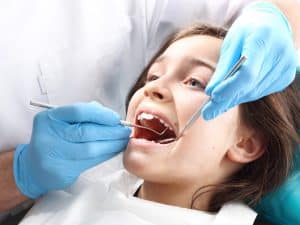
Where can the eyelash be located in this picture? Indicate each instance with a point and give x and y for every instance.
(151, 77)
(199, 84)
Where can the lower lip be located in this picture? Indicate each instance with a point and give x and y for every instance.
(137, 142)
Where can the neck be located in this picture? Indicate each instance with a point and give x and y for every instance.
(170, 194)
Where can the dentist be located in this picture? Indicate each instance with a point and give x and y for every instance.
(62, 53)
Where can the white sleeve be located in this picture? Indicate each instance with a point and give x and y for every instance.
(167, 16)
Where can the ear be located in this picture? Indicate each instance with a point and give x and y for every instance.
(247, 148)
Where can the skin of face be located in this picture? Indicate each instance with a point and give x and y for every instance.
(200, 157)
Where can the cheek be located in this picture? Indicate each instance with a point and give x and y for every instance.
(204, 144)
(219, 133)
(133, 161)
(187, 103)
(213, 138)
(151, 167)
(134, 102)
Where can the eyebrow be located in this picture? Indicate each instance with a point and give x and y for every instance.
(193, 61)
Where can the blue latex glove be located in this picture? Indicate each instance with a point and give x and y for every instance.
(263, 35)
(282, 207)
(65, 142)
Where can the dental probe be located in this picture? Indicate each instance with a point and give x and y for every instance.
(123, 122)
(197, 114)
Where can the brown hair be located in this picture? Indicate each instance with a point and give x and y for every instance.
(275, 117)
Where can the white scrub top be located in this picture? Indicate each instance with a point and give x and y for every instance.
(108, 199)
(64, 51)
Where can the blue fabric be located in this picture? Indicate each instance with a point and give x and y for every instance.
(282, 207)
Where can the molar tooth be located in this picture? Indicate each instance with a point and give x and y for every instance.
(161, 121)
(165, 124)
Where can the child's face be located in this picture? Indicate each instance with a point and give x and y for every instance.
(173, 92)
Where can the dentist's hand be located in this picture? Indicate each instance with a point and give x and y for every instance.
(65, 142)
(263, 35)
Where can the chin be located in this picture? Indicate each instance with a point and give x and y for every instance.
(136, 163)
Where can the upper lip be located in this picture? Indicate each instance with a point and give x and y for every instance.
(158, 114)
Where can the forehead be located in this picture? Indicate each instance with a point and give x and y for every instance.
(200, 46)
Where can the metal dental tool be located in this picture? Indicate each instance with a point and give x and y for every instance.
(197, 114)
(189, 123)
(123, 122)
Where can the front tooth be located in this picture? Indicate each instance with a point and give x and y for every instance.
(146, 116)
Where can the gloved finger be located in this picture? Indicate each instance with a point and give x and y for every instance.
(230, 54)
(92, 112)
(271, 90)
(244, 80)
(92, 150)
(73, 168)
(286, 68)
(229, 93)
(280, 76)
(87, 132)
(83, 165)
(213, 109)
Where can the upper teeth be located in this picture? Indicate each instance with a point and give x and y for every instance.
(148, 116)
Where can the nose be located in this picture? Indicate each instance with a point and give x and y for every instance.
(157, 91)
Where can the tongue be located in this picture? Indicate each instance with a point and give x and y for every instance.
(147, 134)
(154, 124)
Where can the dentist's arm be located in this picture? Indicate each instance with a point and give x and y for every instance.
(65, 142)
(267, 33)
(10, 196)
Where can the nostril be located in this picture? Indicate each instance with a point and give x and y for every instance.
(158, 95)
(155, 93)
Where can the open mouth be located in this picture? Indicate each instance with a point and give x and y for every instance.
(156, 123)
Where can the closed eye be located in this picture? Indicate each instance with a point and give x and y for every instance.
(193, 82)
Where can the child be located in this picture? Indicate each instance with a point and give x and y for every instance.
(208, 175)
